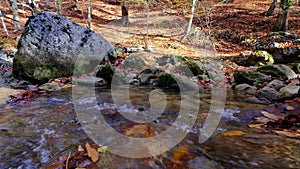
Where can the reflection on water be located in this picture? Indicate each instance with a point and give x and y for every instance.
(34, 133)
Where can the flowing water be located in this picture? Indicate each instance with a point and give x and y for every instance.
(34, 133)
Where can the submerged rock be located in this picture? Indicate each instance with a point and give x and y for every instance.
(50, 46)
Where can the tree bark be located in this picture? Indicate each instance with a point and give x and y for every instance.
(191, 17)
(59, 7)
(14, 6)
(272, 8)
(282, 18)
(3, 24)
(125, 15)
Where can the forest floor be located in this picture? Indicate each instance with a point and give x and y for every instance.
(232, 25)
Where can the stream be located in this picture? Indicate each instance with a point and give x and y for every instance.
(35, 132)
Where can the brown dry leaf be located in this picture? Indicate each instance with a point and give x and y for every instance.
(288, 133)
(93, 153)
(271, 116)
(256, 126)
(262, 119)
(289, 107)
(182, 152)
(233, 133)
(142, 130)
(297, 100)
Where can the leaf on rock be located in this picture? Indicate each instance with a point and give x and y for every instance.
(233, 133)
(92, 153)
(262, 119)
(102, 149)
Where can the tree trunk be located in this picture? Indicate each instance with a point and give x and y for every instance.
(59, 7)
(14, 5)
(77, 4)
(3, 24)
(282, 18)
(282, 21)
(125, 15)
(271, 9)
(191, 17)
(89, 10)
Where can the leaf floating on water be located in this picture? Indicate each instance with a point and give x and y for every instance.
(288, 133)
(180, 154)
(262, 119)
(256, 126)
(102, 149)
(271, 116)
(234, 133)
(92, 153)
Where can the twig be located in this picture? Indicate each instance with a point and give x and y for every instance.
(67, 162)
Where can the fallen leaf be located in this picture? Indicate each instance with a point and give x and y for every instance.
(102, 149)
(93, 153)
(80, 148)
(142, 130)
(181, 153)
(271, 116)
(288, 133)
(233, 133)
(256, 125)
(262, 119)
(289, 107)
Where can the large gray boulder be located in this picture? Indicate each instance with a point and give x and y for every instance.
(50, 46)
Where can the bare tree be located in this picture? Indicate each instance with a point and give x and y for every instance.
(282, 18)
(89, 11)
(125, 15)
(3, 24)
(14, 6)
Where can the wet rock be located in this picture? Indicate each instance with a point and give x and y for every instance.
(250, 77)
(276, 84)
(284, 47)
(5, 93)
(110, 74)
(171, 81)
(288, 92)
(295, 67)
(52, 86)
(279, 71)
(260, 58)
(267, 92)
(149, 76)
(191, 68)
(91, 80)
(134, 62)
(51, 44)
(246, 88)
